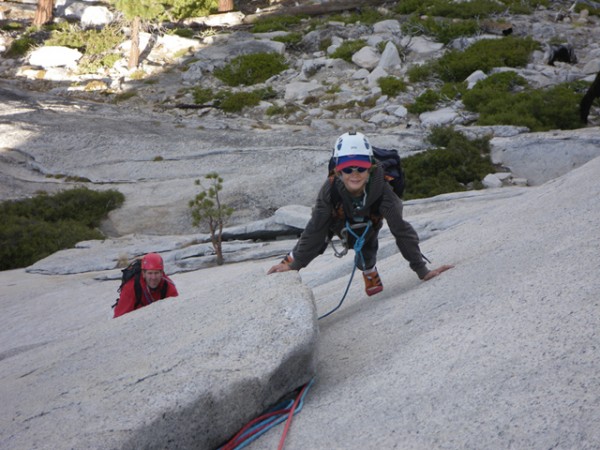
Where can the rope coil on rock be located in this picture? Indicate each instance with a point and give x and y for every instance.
(273, 416)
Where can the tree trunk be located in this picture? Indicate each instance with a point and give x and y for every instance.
(134, 53)
(219, 253)
(225, 5)
(43, 13)
(219, 244)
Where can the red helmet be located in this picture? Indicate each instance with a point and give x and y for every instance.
(152, 261)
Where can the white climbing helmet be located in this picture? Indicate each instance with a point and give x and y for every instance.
(352, 149)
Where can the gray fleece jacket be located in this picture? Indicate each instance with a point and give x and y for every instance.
(323, 223)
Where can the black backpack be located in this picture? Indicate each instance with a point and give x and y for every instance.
(134, 270)
(389, 160)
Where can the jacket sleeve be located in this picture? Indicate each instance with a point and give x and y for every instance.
(313, 240)
(126, 301)
(406, 237)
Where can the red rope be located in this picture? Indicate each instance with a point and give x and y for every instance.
(233, 442)
(238, 439)
(290, 416)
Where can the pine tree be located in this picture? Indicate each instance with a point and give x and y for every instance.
(208, 208)
(137, 11)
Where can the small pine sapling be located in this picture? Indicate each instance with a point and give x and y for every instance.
(207, 208)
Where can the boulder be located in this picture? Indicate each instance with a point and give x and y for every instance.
(170, 375)
(55, 56)
(540, 157)
(96, 16)
(366, 58)
(390, 58)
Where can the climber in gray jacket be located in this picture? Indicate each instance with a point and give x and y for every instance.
(352, 204)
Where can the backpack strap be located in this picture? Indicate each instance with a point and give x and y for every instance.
(137, 287)
(374, 213)
(163, 290)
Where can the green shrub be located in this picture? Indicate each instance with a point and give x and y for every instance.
(391, 86)
(68, 35)
(539, 110)
(233, 102)
(91, 64)
(12, 26)
(97, 46)
(285, 111)
(25, 241)
(34, 228)
(251, 69)
(443, 8)
(324, 44)
(456, 66)
(237, 101)
(483, 55)
(202, 95)
(266, 93)
(442, 30)
(505, 99)
(381, 46)
(456, 164)
(364, 15)
(19, 47)
(89, 42)
(182, 9)
(524, 7)
(184, 32)
(497, 84)
(594, 11)
(291, 40)
(347, 49)
(276, 23)
(427, 101)
(421, 72)
(275, 110)
(465, 10)
(479, 8)
(80, 204)
(452, 90)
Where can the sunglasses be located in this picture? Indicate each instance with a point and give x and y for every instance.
(349, 170)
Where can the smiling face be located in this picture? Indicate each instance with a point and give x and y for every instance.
(355, 182)
(152, 278)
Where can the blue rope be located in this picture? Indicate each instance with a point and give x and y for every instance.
(358, 245)
(274, 420)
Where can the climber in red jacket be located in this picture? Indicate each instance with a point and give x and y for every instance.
(147, 286)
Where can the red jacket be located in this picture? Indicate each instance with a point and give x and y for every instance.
(126, 301)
